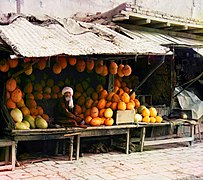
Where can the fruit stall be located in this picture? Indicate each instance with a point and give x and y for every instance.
(105, 83)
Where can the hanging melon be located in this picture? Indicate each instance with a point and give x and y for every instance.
(120, 70)
(72, 60)
(10, 104)
(80, 65)
(11, 84)
(127, 70)
(57, 68)
(13, 63)
(113, 67)
(62, 61)
(90, 65)
(41, 65)
(16, 95)
(99, 67)
(4, 65)
(105, 71)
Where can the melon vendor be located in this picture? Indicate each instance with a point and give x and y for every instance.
(64, 110)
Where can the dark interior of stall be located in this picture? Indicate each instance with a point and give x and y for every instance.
(188, 65)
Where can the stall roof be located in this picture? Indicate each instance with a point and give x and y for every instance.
(67, 36)
(164, 39)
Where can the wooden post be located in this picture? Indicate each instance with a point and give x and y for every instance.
(6, 154)
(13, 156)
(127, 141)
(142, 137)
(191, 134)
(78, 147)
(57, 148)
(71, 148)
(199, 130)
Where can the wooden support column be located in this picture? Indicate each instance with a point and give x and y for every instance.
(142, 137)
(78, 147)
(127, 141)
(192, 130)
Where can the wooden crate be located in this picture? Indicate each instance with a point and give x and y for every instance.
(125, 116)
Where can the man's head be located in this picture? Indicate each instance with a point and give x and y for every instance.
(67, 93)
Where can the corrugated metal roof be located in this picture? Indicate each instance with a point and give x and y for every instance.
(72, 38)
(164, 39)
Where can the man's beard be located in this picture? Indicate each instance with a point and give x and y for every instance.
(67, 98)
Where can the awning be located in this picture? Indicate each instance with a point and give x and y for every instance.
(70, 37)
(164, 39)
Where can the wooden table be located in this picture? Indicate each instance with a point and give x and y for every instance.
(176, 139)
(93, 131)
(42, 134)
(8, 143)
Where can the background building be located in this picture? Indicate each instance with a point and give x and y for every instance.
(67, 8)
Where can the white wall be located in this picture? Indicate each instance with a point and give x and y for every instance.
(66, 8)
(61, 8)
(184, 8)
(7, 6)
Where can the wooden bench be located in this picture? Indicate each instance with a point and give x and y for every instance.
(93, 131)
(43, 134)
(169, 139)
(7, 144)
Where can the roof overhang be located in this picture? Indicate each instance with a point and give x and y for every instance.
(162, 38)
(139, 16)
(67, 36)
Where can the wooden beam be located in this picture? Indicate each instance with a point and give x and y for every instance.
(159, 19)
(196, 31)
(143, 22)
(161, 25)
(179, 28)
(172, 33)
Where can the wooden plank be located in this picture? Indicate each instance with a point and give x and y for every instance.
(6, 142)
(39, 130)
(38, 137)
(71, 134)
(103, 132)
(6, 167)
(120, 126)
(156, 138)
(168, 141)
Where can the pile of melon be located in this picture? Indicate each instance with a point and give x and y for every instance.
(94, 105)
(147, 115)
(5, 64)
(27, 122)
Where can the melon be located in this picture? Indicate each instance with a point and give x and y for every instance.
(140, 109)
(16, 115)
(138, 118)
(31, 120)
(41, 123)
(26, 123)
(21, 126)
